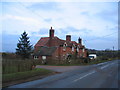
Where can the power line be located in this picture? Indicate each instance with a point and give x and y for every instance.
(100, 37)
(43, 19)
(30, 10)
(34, 12)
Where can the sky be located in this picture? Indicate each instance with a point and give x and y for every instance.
(95, 22)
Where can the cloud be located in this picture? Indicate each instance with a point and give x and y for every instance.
(48, 20)
(45, 6)
(87, 20)
(77, 15)
(16, 24)
(23, 19)
(109, 15)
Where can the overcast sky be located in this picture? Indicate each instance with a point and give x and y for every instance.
(95, 22)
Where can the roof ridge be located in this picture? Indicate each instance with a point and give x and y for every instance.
(44, 37)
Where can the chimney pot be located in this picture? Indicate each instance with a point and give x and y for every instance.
(51, 33)
(68, 37)
(80, 40)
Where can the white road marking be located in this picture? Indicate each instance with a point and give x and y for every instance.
(106, 65)
(93, 71)
(84, 76)
(112, 63)
(101, 63)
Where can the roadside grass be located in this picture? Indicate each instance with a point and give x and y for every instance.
(24, 75)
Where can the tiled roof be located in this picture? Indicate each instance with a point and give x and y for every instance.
(46, 51)
(43, 41)
(74, 42)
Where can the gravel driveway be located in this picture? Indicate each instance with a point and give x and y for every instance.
(59, 68)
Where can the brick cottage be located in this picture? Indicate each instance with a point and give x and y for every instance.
(54, 48)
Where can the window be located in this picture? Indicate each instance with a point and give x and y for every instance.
(72, 48)
(83, 50)
(77, 49)
(44, 60)
(35, 57)
(43, 57)
(64, 46)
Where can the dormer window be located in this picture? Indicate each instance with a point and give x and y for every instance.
(64, 46)
(74, 45)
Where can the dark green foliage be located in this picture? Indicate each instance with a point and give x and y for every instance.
(7, 55)
(24, 49)
(85, 60)
(118, 54)
(105, 54)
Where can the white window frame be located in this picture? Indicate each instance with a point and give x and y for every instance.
(77, 49)
(83, 50)
(35, 57)
(43, 57)
(64, 46)
(72, 48)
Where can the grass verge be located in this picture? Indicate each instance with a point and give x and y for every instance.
(8, 78)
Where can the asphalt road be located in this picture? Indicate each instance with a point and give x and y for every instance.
(103, 75)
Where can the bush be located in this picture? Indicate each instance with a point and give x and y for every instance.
(102, 58)
(8, 55)
(85, 60)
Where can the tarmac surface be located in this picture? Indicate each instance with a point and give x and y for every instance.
(103, 75)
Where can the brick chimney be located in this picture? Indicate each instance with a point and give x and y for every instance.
(80, 40)
(51, 33)
(68, 37)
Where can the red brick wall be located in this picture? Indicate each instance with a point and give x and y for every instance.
(63, 54)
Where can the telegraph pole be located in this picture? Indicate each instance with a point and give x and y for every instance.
(113, 52)
(113, 48)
